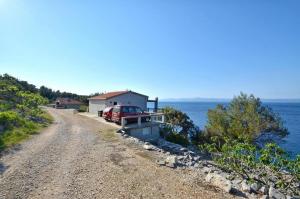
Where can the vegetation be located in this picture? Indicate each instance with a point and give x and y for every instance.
(179, 126)
(52, 95)
(20, 114)
(245, 117)
(229, 137)
(267, 165)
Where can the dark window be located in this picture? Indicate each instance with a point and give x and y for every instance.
(138, 110)
(125, 109)
(115, 103)
(132, 109)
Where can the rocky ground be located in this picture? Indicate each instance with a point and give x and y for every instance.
(175, 156)
(78, 157)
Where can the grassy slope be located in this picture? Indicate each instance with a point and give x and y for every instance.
(15, 135)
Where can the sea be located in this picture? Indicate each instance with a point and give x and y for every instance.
(289, 112)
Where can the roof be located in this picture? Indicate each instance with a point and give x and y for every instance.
(68, 101)
(113, 94)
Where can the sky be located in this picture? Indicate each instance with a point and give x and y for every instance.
(164, 48)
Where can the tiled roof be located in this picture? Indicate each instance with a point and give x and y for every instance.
(112, 94)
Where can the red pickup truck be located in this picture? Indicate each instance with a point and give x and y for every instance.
(120, 111)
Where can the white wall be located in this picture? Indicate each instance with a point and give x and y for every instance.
(124, 99)
(96, 105)
(129, 99)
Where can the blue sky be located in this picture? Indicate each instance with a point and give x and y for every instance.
(164, 48)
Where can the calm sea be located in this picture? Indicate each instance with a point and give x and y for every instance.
(290, 113)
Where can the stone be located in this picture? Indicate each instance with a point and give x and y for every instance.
(275, 194)
(263, 190)
(171, 161)
(183, 149)
(219, 181)
(206, 169)
(245, 187)
(148, 147)
(254, 187)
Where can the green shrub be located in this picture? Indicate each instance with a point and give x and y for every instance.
(82, 108)
(177, 138)
(245, 117)
(256, 164)
(179, 122)
(9, 119)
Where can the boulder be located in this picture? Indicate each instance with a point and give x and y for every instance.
(254, 187)
(245, 187)
(219, 181)
(275, 194)
(263, 190)
(148, 147)
(171, 161)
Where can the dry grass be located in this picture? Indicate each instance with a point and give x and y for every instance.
(109, 135)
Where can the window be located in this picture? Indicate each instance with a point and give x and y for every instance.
(116, 110)
(139, 110)
(115, 103)
(131, 109)
(126, 109)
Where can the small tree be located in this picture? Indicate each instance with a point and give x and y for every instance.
(245, 117)
(179, 122)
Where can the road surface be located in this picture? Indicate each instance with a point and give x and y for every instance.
(78, 157)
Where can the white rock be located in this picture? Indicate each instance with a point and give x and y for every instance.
(219, 181)
(275, 194)
(171, 161)
(245, 186)
(147, 147)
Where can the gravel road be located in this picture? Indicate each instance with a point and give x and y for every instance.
(78, 157)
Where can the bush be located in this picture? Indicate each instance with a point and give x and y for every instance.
(179, 122)
(177, 138)
(82, 108)
(245, 117)
(9, 119)
(255, 164)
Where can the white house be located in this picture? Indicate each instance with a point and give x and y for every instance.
(100, 102)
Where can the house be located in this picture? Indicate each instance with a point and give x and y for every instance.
(67, 103)
(100, 102)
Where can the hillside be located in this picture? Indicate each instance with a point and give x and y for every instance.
(20, 114)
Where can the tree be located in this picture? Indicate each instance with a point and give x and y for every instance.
(179, 122)
(245, 117)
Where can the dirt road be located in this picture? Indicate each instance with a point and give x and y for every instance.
(78, 157)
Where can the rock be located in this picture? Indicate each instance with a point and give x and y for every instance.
(219, 181)
(183, 149)
(148, 147)
(254, 187)
(245, 187)
(275, 194)
(263, 190)
(206, 169)
(171, 161)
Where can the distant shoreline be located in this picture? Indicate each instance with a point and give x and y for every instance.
(228, 100)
